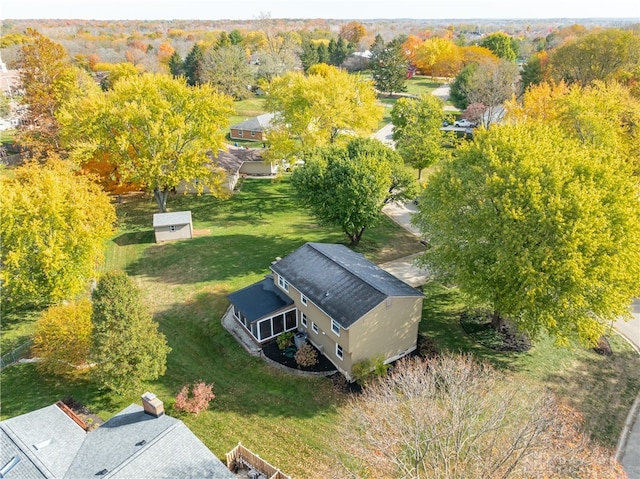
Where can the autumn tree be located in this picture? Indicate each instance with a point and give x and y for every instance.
(451, 418)
(49, 80)
(535, 71)
(314, 110)
(501, 45)
(491, 84)
(347, 185)
(54, 225)
(416, 131)
(228, 70)
(157, 129)
(127, 347)
(389, 65)
(542, 229)
(63, 338)
(596, 56)
(353, 32)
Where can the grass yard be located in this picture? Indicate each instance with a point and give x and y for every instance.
(288, 420)
(601, 388)
(421, 84)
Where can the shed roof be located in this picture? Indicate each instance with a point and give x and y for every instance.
(259, 299)
(340, 281)
(257, 123)
(174, 218)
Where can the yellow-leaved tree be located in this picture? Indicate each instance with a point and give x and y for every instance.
(157, 130)
(54, 226)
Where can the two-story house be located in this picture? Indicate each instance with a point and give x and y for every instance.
(349, 308)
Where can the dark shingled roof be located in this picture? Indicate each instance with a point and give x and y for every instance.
(341, 282)
(260, 299)
(132, 444)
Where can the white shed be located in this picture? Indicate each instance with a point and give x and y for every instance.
(172, 226)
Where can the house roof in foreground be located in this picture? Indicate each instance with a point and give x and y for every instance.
(173, 218)
(132, 444)
(340, 281)
(259, 299)
(257, 123)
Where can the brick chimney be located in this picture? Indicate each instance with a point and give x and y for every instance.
(152, 405)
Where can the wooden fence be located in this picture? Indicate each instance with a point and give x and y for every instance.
(240, 456)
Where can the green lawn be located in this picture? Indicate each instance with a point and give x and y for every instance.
(288, 420)
(421, 84)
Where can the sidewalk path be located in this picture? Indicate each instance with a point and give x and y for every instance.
(628, 453)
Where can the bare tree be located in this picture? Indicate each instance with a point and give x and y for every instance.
(492, 84)
(451, 418)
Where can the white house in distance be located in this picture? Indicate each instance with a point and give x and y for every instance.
(172, 226)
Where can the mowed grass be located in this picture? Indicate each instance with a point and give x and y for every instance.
(289, 420)
(601, 388)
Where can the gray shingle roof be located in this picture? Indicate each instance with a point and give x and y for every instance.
(257, 123)
(132, 444)
(341, 282)
(259, 299)
(233, 159)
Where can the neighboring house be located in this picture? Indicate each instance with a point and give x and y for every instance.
(236, 162)
(138, 442)
(172, 226)
(253, 129)
(348, 307)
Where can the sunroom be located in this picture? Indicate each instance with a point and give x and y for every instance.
(264, 311)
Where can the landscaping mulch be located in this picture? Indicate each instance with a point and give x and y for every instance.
(477, 324)
(285, 357)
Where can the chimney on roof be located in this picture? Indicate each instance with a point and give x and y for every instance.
(152, 405)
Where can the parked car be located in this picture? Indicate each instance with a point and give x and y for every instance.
(464, 124)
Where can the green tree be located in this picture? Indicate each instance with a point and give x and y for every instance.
(194, 66)
(155, 128)
(348, 185)
(534, 71)
(459, 87)
(309, 55)
(389, 65)
(228, 70)
(176, 65)
(315, 110)
(54, 225)
(539, 227)
(127, 347)
(416, 131)
(235, 37)
(501, 45)
(63, 338)
(596, 56)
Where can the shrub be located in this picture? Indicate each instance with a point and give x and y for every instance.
(285, 340)
(306, 355)
(197, 401)
(367, 369)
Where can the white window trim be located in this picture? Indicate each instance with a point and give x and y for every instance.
(283, 283)
(303, 299)
(334, 324)
(314, 328)
(339, 351)
(303, 320)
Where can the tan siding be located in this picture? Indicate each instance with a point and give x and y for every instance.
(164, 233)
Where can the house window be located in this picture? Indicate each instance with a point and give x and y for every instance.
(172, 228)
(303, 299)
(314, 326)
(303, 320)
(283, 283)
(240, 133)
(335, 327)
(338, 351)
(253, 133)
